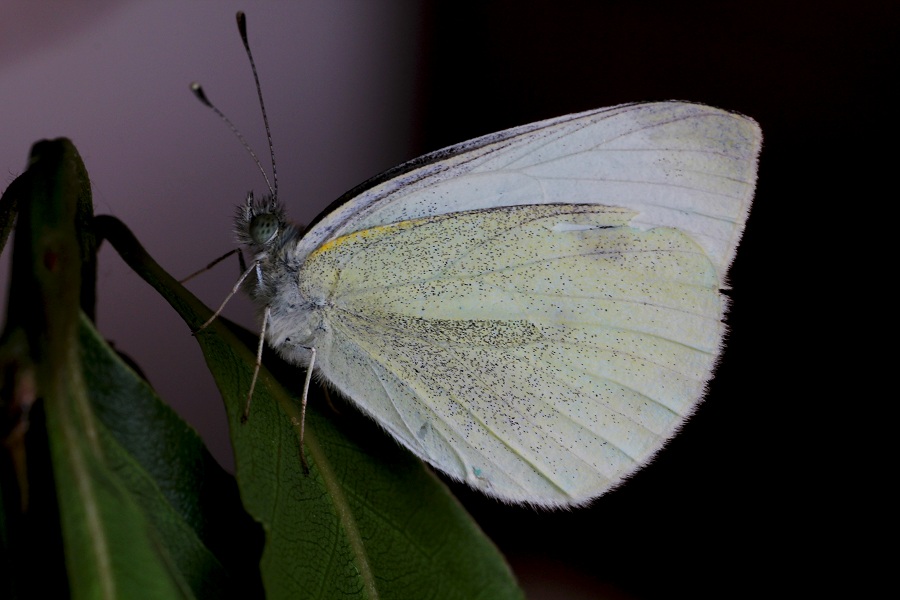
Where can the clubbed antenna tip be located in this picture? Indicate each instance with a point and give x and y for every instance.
(242, 28)
(201, 95)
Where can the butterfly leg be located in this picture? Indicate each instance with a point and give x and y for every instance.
(302, 423)
(259, 351)
(312, 361)
(241, 260)
(234, 290)
(309, 372)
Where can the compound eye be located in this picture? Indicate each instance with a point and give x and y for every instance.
(263, 229)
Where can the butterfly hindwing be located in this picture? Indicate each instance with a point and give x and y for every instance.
(539, 352)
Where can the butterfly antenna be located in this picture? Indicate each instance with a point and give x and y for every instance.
(201, 96)
(242, 28)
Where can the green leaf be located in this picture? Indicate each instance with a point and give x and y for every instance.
(369, 520)
(99, 479)
(191, 501)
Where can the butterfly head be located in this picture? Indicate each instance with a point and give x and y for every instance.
(260, 223)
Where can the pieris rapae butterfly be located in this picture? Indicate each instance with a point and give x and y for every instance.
(534, 312)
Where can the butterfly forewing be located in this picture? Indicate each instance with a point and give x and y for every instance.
(675, 164)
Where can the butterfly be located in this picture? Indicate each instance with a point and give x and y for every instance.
(534, 312)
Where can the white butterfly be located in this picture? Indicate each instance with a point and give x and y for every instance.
(534, 312)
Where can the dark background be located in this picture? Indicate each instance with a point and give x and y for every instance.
(754, 495)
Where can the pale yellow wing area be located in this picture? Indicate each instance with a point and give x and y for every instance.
(540, 353)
